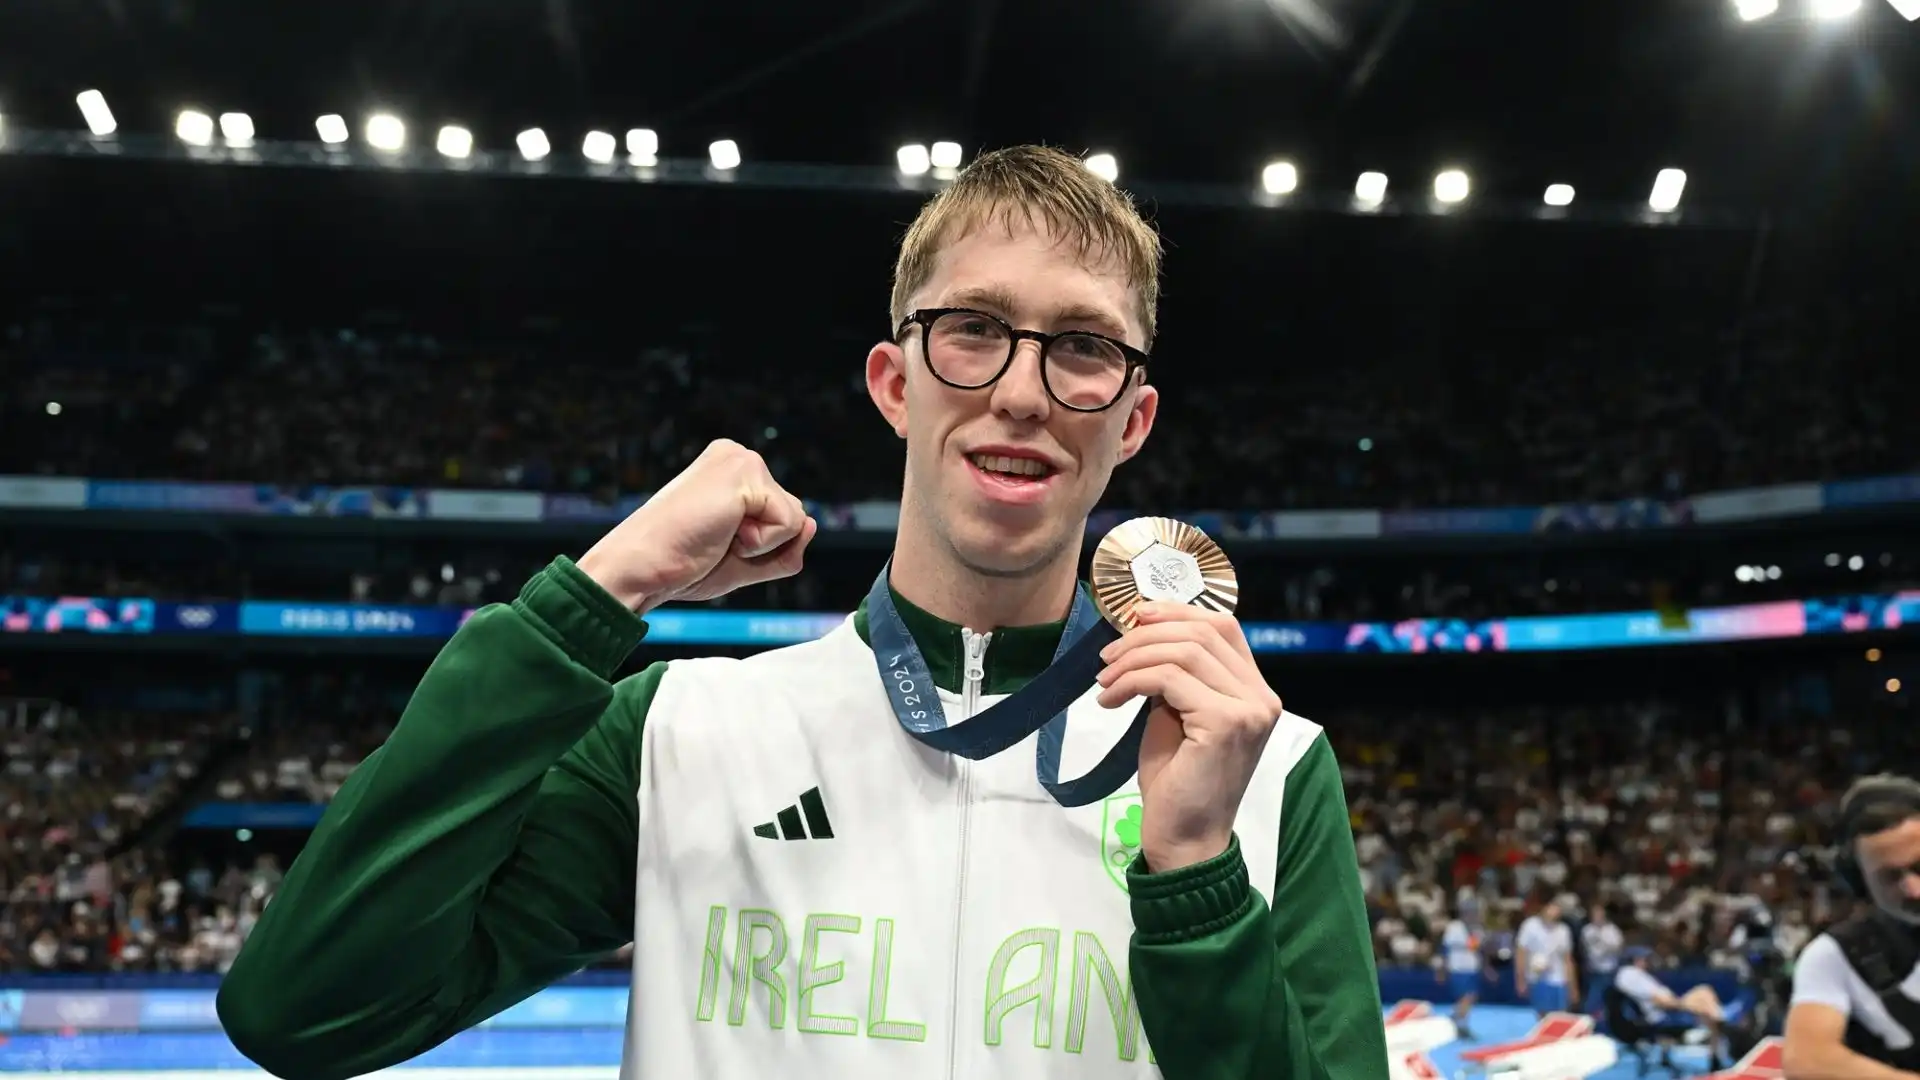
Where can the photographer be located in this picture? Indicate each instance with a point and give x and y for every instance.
(1856, 988)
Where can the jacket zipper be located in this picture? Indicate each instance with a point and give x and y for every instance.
(973, 676)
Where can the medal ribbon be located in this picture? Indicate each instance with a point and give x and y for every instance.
(1040, 705)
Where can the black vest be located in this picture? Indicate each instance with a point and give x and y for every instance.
(1883, 953)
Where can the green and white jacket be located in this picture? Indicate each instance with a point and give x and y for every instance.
(812, 893)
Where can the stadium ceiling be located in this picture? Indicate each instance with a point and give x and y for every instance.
(1797, 108)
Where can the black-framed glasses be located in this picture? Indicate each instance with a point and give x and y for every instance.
(970, 350)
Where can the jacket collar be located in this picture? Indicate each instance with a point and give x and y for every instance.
(1015, 654)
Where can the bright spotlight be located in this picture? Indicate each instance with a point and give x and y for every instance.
(93, 109)
(913, 160)
(236, 128)
(1371, 188)
(194, 128)
(1908, 9)
(1280, 178)
(643, 145)
(533, 144)
(945, 155)
(386, 132)
(1667, 188)
(1559, 195)
(1451, 186)
(1829, 10)
(725, 154)
(1755, 10)
(454, 141)
(599, 147)
(1105, 166)
(332, 129)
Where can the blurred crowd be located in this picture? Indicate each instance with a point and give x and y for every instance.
(1803, 394)
(1698, 846)
(1693, 843)
(84, 877)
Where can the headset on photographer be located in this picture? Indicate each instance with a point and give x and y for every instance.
(1868, 794)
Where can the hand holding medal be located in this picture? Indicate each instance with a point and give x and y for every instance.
(1171, 592)
(1158, 629)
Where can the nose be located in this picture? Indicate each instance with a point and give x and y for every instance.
(1021, 393)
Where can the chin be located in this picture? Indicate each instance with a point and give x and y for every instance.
(1000, 549)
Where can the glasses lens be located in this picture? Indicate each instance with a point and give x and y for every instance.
(1085, 372)
(967, 349)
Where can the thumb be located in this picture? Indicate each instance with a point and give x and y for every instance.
(786, 559)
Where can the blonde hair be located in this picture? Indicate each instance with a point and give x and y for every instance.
(1035, 186)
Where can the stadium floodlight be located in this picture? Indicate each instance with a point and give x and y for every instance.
(724, 153)
(194, 127)
(1370, 189)
(1559, 195)
(386, 132)
(1908, 9)
(643, 145)
(332, 129)
(1755, 10)
(533, 144)
(1667, 188)
(1451, 186)
(93, 109)
(237, 128)
(1105, 166)
(945, 155)
(599, 147)
(454, 141)
(913, 160)
(1280, 178)
(1831, 10)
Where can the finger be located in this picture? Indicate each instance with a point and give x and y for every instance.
(1178, 628)
(771, 519)
(1172, 684)
(1224, 637)
(1191, 656)
(785, 560)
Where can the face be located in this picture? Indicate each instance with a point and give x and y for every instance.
(1890, 861)
(1550, 913)
(990, 523)
(1597, 915)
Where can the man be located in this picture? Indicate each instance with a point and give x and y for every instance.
(1460, 943)
(1662, 1014)
(1543, 962)
(945, 917)
(1855, 1009)
(1602, 943)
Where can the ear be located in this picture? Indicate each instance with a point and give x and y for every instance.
(1146, 405)
(887, 384)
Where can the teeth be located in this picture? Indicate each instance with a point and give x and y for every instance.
(1016, 466)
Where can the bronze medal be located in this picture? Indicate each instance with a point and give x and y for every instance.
(1160, 559)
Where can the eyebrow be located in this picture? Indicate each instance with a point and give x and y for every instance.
(1000, 299)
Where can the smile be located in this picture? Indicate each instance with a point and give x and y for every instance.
(1009, 480)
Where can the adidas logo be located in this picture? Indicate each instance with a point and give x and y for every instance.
(787, 824)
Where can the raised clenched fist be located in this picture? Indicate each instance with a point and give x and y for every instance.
(721, 524)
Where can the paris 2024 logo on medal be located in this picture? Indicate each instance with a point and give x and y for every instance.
(1119, 835)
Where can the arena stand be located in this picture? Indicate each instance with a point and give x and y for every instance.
(149, 816)
(1667, 409)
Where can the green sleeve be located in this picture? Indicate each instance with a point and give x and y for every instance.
(1229, 989)
(486, 850)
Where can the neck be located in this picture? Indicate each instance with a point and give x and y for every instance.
(927, 574)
